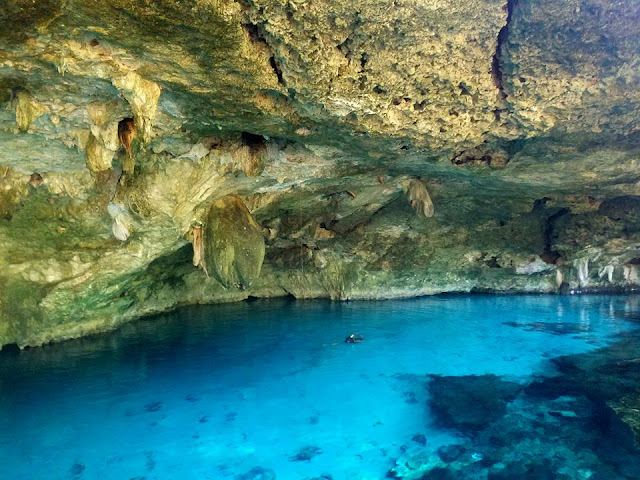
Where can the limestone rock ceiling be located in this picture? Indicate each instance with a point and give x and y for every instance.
(519, 117)
(433, 74)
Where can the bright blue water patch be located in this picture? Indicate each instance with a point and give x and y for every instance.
(212, 392)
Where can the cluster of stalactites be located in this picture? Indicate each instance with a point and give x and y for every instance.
(581, 265)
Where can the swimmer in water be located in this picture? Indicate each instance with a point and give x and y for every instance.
(353, 338)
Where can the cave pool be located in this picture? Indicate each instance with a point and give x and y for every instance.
(268, 389)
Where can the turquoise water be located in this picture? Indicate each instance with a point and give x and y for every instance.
(215, 391)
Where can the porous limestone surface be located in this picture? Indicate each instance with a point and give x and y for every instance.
(351, 150)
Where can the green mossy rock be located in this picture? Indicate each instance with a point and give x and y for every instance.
(233, 243)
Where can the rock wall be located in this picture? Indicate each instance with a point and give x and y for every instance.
(346, 149)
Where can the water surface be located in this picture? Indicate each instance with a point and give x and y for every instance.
(212, 392)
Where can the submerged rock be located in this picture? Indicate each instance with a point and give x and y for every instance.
(576, 425)
(450, 453)
(306, 453)
(526, 471)
(257, 473)
(420, 439)
(153, 406)
(628, 410)
(470, 403)
(414, 464)
(77, 469)
(442, 473)
(555, 328)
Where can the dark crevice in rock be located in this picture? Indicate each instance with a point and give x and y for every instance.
(492, 262)
(345, 48)
(464, 89)
(257, 35)
(485, 154)
(289, 297)
(290, 13)
(549, 255)
(126, 132)
(275, 66)
(623, 207)
(253, 140)
(364, 58)
(10, 349)
(624, 210)
(512, 147)
(496, 65)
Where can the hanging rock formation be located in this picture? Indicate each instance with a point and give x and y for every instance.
(233, 243)
(419, 198)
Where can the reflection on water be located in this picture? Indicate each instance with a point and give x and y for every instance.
(253, 389)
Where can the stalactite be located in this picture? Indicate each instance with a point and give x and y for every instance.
(198, 248)
(197, 245)
(582, 266)
(27, 109)
(608, 271)
(121, 222)
(559, 278)
(419, 198)
(120, 231)
(630, 273)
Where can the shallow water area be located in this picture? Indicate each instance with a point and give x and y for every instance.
(215, 391)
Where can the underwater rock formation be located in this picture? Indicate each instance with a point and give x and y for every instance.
(581, 423)
(257, 473)
(520, 119)
(470, 403)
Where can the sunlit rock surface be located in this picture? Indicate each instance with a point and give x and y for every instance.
(520, 119)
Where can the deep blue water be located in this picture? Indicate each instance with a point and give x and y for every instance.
(211, 392)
